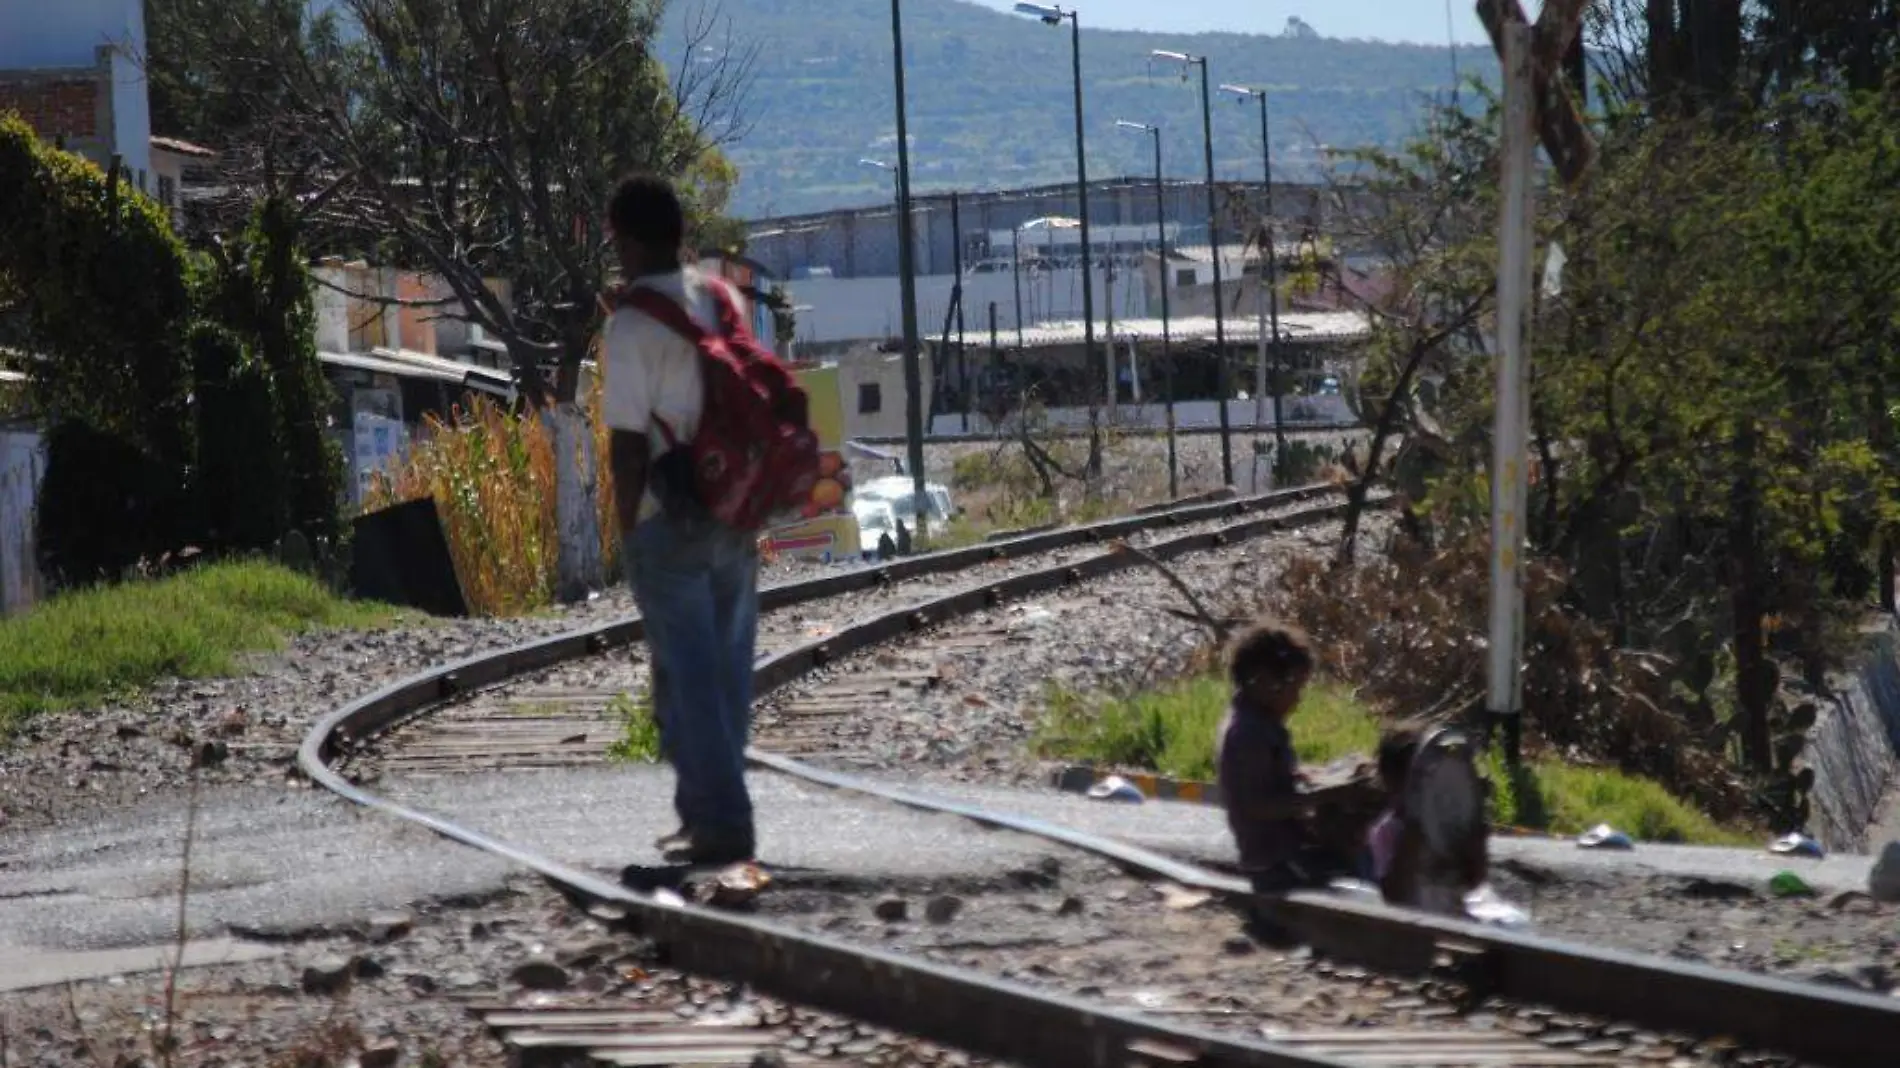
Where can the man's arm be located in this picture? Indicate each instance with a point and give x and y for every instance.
(627, 454)
(627, 407)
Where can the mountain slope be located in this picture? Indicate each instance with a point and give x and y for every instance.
(991, 106)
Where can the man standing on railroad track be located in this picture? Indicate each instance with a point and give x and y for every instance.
(709, 437)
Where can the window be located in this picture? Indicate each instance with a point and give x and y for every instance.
(1184, 276)
(870, 398)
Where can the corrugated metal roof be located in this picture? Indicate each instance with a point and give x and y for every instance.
(1296, 328)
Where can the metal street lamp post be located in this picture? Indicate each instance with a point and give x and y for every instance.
(1213, 241)
(1167, 346)
(907, 270)
(1270, 254)
(1053, 16)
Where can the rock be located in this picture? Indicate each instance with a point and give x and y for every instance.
(943, 908)
(1238, 946)
(370, 968)
(211, 753)
(389, 926)
(541, 975)
(1071, 906)
(1852, 901)
(382, 1054)
(770, 1058)
(1884, 883)
(328, 976)
(1716, 890)
(891, 909)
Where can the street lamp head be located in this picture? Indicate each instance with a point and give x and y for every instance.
(1172, 57)
(1050, 16)
(1242, 91)
(878, 163)
(1142, 126)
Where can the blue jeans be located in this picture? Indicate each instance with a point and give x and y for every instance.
(696, 583)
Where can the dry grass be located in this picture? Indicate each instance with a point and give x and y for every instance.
(491, 473)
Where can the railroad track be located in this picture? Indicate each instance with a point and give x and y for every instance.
(1009, 1020)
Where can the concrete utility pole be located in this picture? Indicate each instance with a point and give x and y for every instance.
(1534, 105)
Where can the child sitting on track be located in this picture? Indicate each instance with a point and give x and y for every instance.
(1429, 849)
(1396, 750)
(1258, 771)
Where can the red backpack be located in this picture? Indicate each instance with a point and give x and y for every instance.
(754, 454)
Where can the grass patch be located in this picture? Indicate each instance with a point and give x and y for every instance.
(82, 648)
(1170, 731)
(639, 741)
(1566, 799)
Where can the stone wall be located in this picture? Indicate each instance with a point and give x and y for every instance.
(1853, 744)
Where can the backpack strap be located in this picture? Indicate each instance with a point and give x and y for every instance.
(666, 311)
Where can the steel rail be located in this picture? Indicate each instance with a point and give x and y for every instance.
(1822, 1025)
(959, 1008)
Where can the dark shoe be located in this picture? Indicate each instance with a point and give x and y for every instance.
(670, 843)
(712, 848)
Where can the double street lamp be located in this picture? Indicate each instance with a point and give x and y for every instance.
(1213, 241)
(1269, 253)
(1053, 16)
(1167, 346)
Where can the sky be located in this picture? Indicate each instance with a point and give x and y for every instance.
(1416, 21)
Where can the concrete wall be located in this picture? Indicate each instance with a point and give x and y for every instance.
(1853, 744)
(22, 466)
(860, 309)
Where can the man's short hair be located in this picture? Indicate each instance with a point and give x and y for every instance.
(1271, 649)
(646, 211)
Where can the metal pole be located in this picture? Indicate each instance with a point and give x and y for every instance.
(1167, 344)
(1272, 250)
(1509, 477)
(963, 354)
(1016, 244)
(996, 354)
(1082, 196)
(907, 268)
(1220, 316)
(1109, 358)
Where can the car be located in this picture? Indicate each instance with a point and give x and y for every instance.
(898, 493)
(875, 518)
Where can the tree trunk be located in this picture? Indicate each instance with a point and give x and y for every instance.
(1754, 672)
(580, 569)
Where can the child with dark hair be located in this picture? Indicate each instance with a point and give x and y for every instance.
(1270, 665)
(1396, 750)
(1428, 849)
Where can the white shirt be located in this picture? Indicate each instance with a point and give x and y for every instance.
(652, 371)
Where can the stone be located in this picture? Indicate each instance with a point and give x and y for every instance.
(389, 926)
(370, 968)
(541, 975)
(328, 976)
(1071, 906)
(382, 1054)
(1238, 946)
(891, 909)
(211, 753)
(943, 908)
(1884, 882)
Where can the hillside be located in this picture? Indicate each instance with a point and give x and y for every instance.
(990, 102)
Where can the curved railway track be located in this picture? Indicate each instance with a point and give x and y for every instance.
(1009, 1020)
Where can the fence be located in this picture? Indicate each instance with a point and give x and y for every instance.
(22, 465)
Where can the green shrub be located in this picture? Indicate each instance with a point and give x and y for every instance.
(105, 506)
(240, 474)
(82, 647)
